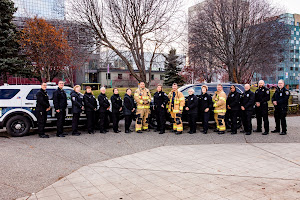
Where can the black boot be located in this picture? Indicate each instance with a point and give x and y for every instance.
(275, 131)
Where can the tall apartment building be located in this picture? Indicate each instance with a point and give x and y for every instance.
(289, 67)
(47, 9)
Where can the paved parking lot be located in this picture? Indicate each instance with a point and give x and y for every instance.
(30, 164)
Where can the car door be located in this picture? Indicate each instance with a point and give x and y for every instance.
(29, 102)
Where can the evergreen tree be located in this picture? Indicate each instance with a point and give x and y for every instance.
(172, 69)
(10, 61)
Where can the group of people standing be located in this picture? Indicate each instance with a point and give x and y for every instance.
(223, 106)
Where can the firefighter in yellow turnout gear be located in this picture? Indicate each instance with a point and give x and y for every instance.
(219, 100)
(142, 98)
(175, 108)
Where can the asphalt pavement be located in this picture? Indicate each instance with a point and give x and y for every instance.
(30, 164)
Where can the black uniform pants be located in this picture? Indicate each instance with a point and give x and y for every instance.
(161, 119)
(90, 115)
(103, 116)
(60, 121)
(233, 117)
(280, 117)
(115, 118)
(205, 118)
(128, 120)
(75, 121)
(262, 113)
(41, 120)
(247, 120)
(192, 122)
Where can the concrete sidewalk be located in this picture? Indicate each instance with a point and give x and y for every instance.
(209, 171)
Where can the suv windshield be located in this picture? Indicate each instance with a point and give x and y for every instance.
(8, 93)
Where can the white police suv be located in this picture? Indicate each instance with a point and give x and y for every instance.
(17, 107)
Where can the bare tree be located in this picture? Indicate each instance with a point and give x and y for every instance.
(137, 26)
(240, 36)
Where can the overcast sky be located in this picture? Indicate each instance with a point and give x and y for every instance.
(291, 6)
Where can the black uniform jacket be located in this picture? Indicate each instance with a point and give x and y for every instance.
(262, 95)
(116, 102)
(128, 105)
(282, 97)
(60, 99)
(192, 104)
(205, 102)
(42, 100)
(160, 98)
(248, 100)
(233, 101)
(90, 103)
(77, 102)
(103, 103)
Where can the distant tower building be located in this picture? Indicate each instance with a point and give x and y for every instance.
(289, 67)
(47, 9)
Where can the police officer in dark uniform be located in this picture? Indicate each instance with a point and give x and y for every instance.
(116, 102)
(90, 107)
(77, 107)
(233, 107)
(191, 106)
(42, 107)
(60, 105)
(205, 103)
(160, 107)
(280, 101)
(262, 96)
(128, 109)
(247, 104)
(104, 107)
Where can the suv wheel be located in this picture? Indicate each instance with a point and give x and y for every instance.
(18, 126)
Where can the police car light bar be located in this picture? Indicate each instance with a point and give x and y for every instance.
(51, 83)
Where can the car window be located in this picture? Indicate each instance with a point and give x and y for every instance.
(185, 92)
(50, 93)
(198, 90)
(68, 92)
(226, 89)
(32, 94)
(211, 90)
(8, 93)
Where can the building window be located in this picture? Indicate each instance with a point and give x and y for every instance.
(297, 51)
(152, 76)
(162, 77)
(108, 76)
(296, 59)
(292, 59)
(291, 68)
(296, 69)
(120, 76)
(292, 51)
(280, 69)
